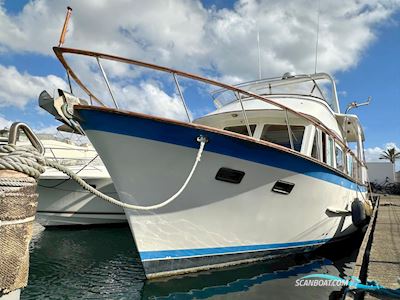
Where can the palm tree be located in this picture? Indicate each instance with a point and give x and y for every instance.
(391, 154)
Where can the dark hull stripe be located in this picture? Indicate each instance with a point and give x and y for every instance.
(170, 254)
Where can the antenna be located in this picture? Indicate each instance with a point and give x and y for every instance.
(316, 42)
(259, 54)
(354, 104)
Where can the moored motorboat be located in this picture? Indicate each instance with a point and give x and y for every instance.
(64, 202)
(276, 174)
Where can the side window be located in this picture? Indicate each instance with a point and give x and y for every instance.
(330, 151)
(324, 158)
(278, 134)
(350, 164)
(355, 169)
(339, 158)
(297, 134)
(242, 129)
(315, 147)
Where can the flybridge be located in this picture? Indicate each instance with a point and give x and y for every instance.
(314, 85)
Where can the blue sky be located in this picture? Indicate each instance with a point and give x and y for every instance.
(359, 45)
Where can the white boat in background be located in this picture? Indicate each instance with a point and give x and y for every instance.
(61, 200)
(64, 202)
(276, 175)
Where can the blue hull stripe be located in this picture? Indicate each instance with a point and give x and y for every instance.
(218, 143)
(165, 254)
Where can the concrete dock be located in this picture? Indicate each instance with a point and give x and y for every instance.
(379, 256)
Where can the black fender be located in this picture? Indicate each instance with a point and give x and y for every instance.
(358, 215)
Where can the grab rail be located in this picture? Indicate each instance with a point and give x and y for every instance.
(14, 131)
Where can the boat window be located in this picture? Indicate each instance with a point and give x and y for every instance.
(278, 134)
(324, 147)
(242, 129)
(320, 88)
(330, 151)
(350, 164)
(356, 173)
(339, 158)
(315, 149)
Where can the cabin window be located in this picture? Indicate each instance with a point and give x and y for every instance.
(350, 164)
(356, 173)
(315, 149)
(278, 134)
(242, 129)
(330, 151)
(324, 148)
(339, 158)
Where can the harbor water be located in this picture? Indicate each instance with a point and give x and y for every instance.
(102, 263)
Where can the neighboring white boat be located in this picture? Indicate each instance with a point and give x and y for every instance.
(276, 175)
(61, 200)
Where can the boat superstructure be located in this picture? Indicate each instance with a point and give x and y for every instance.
(277, 174)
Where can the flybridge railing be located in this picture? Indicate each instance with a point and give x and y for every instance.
(87, 159)
(288, 84)
(239, 92)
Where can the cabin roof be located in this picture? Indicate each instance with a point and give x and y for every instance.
(350, 125)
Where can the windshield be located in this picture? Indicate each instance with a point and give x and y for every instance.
(321, 88)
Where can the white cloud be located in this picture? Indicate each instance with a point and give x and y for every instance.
(17, 89)
(149, 98)
(4, 123)
(372, 154)
(184, 34)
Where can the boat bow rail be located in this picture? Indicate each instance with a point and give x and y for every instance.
(240, 92)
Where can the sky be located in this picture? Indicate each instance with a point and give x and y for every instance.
(359, 42)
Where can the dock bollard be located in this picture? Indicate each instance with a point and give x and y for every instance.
(18, 203)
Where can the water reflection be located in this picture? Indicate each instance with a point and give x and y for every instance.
(101, 263)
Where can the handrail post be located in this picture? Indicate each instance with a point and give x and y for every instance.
(51, 150)
(182, 98)
(69, 83)
(289, 130)
(246, 120)
(107, 83)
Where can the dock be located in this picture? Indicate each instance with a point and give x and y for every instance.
(379, 256)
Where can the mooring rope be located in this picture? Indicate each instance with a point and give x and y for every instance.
(24, 159)
(28, 160)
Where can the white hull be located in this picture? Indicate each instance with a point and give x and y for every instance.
(212, 218)
(64, 202)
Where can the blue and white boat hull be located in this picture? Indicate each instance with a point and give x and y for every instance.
(214, 222)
